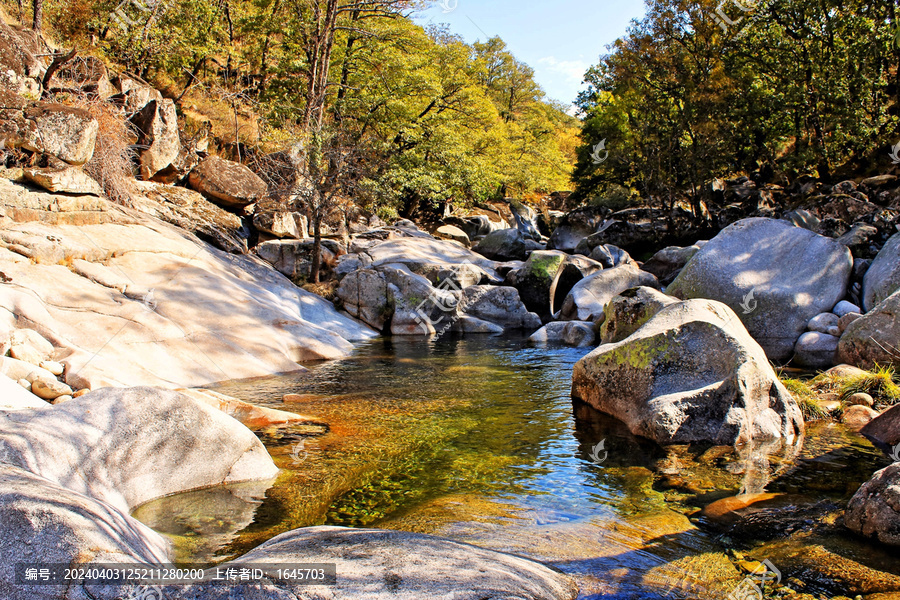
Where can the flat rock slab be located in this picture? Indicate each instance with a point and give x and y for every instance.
(128, 446)
(202, 315)
(375, 564)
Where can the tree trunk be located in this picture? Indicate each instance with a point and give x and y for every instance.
(317, 249)
(38, 6)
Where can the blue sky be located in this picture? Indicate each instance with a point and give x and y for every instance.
(559, 39)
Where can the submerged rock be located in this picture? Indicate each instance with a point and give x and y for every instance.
(874, 511)
(571, 333)
(692, 373)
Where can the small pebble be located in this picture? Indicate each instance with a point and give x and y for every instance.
(861, 399)
(81, 392)
(53, 366)
(61, 399)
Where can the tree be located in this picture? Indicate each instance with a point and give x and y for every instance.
(38, 15)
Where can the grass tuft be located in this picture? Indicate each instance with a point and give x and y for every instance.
(880, 383)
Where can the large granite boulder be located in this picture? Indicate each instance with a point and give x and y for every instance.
(20, 70)
(452, 232)
(774, 275)
(874, 511)
(535, 278)
(506, 244)
(190, 211)
(873, 338)
(158, 136)
(424, 254)
(692, 373)
(229, 184)
(126, 446)
(498, 305)
(375, 564)
(293, 258)
(65, 132)
(281, 224)
(525, 218)
(884, 430)
(883, 276)
(42, 521)
(815, 350)
(364, 294)
(668, 262)
(69, 180)
(575, 226)
(588, 298)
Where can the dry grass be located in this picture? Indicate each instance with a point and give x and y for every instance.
(326, 289)
(112, 163)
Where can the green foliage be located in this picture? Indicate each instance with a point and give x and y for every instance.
(808, 87)
(806, 398)
(880, 383)
(431, 118)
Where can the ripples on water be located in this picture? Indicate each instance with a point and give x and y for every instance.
(477, 439)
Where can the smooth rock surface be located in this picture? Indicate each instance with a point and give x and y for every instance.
(775, 276)
(884, 430)
(71, 180)
(589, 296)
(816, 350)
(227, 183)
(856, 417)
(125, 446)
(873, 338)
(571, 333)
(692, 373)
(506, 244)
(14, 396)
(499, 305)
(179, 313)
(823, 322)
(883, 276)
(843, 308)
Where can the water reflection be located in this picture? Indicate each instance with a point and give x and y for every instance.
(478, 439)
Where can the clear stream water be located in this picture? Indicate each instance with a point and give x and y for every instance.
(477, 439)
